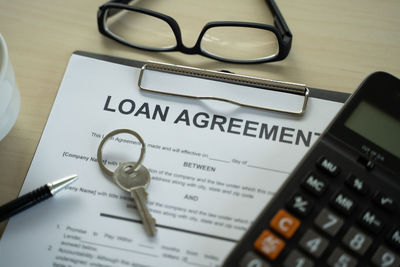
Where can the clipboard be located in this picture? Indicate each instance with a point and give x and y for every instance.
(199, 152)
(237, 95)
(300, 93)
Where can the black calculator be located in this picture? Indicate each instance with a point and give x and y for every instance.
(341, 205)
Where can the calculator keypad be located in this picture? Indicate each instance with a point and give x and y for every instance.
(332, 216)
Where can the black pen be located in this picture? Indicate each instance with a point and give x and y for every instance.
(32, 198)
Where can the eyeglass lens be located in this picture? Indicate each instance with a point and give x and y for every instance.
(129, 26)
(146, 31)
(240, 43)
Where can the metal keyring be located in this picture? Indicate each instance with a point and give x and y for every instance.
(115, 132)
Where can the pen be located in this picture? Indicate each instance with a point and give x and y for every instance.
(32, 198)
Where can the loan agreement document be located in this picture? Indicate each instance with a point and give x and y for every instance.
(213, 168)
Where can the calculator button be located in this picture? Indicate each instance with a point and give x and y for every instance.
(371, 221)
(284, 224)
(299, 204)
(394, 237)
(251, 259)
(315, 185)
(385, 201)
(328, 222)
(385, 257)
(356, 240)
(328, 166)
(339, 258)
(357, 184)
(343, 203)
(297, 259)
(269, 244)
(313, 243)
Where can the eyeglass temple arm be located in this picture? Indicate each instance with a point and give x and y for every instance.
(279, 21)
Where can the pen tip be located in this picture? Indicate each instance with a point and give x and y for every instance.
(61, 183)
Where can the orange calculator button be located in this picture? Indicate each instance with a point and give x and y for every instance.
(285, 224)
(269, 244)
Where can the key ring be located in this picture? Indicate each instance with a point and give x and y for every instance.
(136, 166)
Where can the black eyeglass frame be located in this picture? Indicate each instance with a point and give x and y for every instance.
(281, 31)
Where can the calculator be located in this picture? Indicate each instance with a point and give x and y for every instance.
(340, 205)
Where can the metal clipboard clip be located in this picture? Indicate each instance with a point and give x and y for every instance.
(183, 81)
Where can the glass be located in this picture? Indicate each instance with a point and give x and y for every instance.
(229, 41)
(255, 43)
(125, 25)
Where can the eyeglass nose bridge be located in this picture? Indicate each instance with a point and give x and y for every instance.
(189, 50)
(196, 48)
(181, 47)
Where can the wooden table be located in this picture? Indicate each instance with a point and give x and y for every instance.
(336, 44)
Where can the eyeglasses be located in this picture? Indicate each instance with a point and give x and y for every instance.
(228, 41)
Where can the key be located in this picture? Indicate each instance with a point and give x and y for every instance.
(135, 182)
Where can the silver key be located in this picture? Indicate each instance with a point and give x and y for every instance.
(135, 182)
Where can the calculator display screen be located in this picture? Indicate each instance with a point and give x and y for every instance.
(377, 126)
